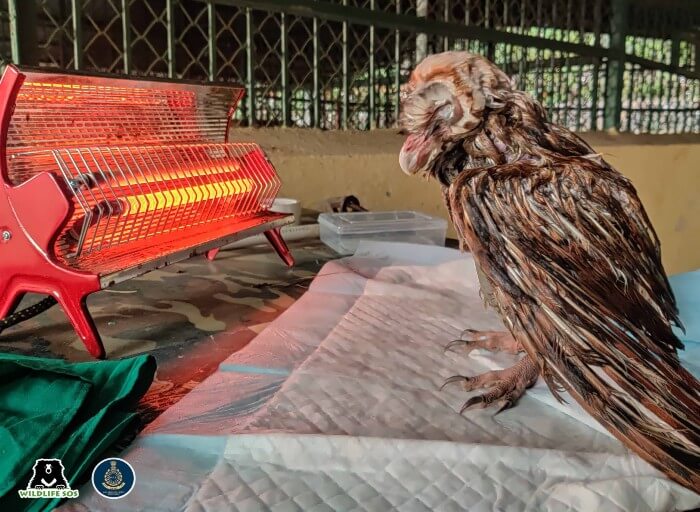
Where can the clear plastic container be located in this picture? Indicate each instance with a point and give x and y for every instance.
(342, 232)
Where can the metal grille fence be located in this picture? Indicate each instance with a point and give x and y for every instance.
(337, 64)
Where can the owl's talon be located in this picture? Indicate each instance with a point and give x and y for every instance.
(506, 386)
(453, 343)
(473, 402)
(452, 380)
(493, 341)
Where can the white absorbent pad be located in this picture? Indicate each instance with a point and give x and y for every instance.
(336, 406)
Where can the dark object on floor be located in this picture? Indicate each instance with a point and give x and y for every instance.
(344, 204)
(565, 253)
(51, 409)
(27, 313)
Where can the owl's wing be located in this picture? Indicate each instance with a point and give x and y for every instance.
(576, 270)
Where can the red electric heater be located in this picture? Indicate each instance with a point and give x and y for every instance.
(105, 179)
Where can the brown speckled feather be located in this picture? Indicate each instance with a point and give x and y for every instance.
(576, 270)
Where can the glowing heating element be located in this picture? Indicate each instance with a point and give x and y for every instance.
(105, 179)
(187, 195)
(124, 194)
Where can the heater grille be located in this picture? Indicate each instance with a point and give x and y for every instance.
(126, 194)
(62, 111)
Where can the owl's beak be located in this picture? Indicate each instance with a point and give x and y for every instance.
(416, 153)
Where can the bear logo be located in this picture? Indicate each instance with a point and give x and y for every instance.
(48, 474)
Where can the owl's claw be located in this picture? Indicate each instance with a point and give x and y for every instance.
(504, 386)
(452, 380)
(488, 340)
(485, 380)
(507, 400)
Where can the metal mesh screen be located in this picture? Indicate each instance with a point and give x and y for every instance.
(73, 109)
(337, 64)
(127, 194)
(55, 111)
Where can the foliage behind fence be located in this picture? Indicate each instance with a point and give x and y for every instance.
(593, 64)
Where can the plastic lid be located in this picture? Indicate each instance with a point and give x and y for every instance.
(379, 222)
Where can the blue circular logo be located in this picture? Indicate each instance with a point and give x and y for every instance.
(113, 478)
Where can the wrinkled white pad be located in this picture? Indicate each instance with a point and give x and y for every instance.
(336, 406)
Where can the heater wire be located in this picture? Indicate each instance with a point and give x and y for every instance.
(27, 313)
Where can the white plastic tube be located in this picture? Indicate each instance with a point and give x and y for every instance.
(287, 205)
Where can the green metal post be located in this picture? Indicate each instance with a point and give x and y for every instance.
(490, 46)
(633, 92)
(596, 66)
(552, 76)
(23, 36)
(126, 38)
(523, 51)
(78, 50)
(170, 22)
(666, 100)
(397, 67)
(211, 42)
(284, 70)
(650, 98)
(564, 76)
(579, 95)
(675, 50)
(15, 31)
(371, 84)
(346, 74)
(539, 57)
(695, 122)
(467, 22)
(250, 78)
(421, 37)
(616, 64)
(446, 17)
(316, 95)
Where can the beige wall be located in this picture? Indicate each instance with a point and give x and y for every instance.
(314, 165)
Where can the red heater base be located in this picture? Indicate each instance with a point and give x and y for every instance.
(26, 265)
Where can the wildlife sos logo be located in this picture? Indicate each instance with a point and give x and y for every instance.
(48, 481)
(113, 478)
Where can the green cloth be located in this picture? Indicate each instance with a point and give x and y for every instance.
(54, 409)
